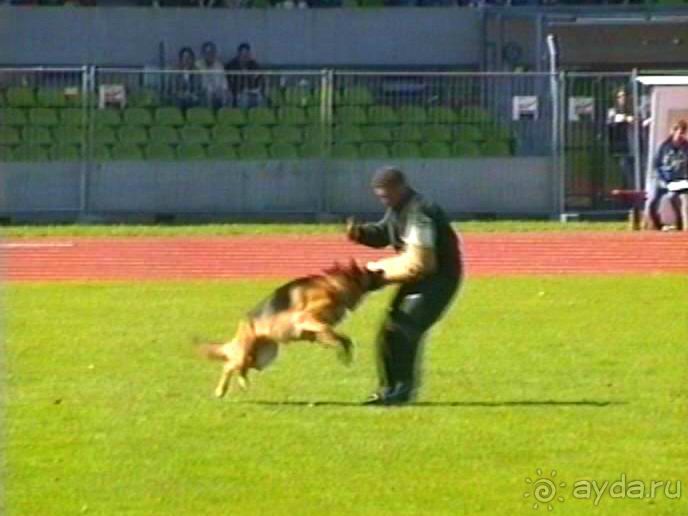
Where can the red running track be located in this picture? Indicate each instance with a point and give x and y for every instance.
(137, 258)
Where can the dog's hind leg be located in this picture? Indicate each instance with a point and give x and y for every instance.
(331, 338)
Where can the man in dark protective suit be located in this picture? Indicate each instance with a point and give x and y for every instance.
(428, 266)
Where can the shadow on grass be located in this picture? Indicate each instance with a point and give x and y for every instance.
(422, 404)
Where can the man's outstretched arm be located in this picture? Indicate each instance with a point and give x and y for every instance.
(371, 235)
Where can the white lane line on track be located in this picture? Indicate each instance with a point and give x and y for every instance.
(36, 245)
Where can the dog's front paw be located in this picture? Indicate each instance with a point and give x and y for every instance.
(220, 392)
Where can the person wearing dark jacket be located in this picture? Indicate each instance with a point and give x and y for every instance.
(428, 268)
(246, 88)
(671, 165)
(185, 86)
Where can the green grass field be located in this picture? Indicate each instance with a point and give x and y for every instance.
(129, 230)
(109, 412)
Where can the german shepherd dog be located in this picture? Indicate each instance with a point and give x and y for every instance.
(306, 308)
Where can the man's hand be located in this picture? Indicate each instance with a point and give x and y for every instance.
(377, 276)
(352, 229)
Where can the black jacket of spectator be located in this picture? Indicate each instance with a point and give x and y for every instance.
(239, 83)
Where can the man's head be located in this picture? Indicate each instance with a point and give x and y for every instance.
(209, 52)
(389, 185)
(678, 131)
(186, 58)
(620, 97)
(244, 53)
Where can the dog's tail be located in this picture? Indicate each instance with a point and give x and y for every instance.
(212, 351)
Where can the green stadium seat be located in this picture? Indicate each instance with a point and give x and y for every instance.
(104, 135)
(137, 116)
(351, 115)
(373, 151)
(441, 115)
(495, 148)
(31, 152)
(132, 134)
(46, 117)
(9, 136)
(437, 133)
(226, 134)
(20, 97)
(72, 116)
(261, 116)
(159, 151)
(412, 114)
(107, 117)
(36, 135)
(344, 151)
(313, 115)
(347, 134)
(191, 151)
(298, 96)
(503, 133)
(257, 134)
(405, 150)
(473, 115)
(286, 134)
(163, 134)
(12, 117)
(68, 134)
(194, 134)
(376, 133)
(142, 98)
(292, 115)
(466, 149)
(471, 133)
(101, 152)
(382, 115)
(220, 151)
(314, 133)
(126, 152)
(354, 96)
(6, 153)
(282, 150)
(435, 150)
(231, 116)
(51, 97)
(253, 150)
(408, 133)
(200, 116)
(65, 152)
(170, 116)
(311, 149)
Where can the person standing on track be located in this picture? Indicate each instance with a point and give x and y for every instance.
(428, 267)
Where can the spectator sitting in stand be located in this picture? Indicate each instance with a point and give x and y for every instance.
(246, 88)
(185, 87)
(671, 166)
(213, 82)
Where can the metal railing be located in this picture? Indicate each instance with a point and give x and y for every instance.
(90, 115)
